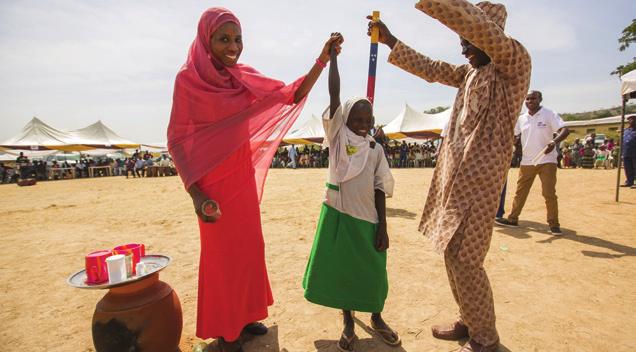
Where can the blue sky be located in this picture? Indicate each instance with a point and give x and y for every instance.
(71, 63)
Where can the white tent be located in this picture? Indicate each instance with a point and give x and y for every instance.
(36, 135)
(410, 123)
(100, 136)
(310, 132)
(628, 83)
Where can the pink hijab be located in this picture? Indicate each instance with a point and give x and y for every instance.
(216, 111)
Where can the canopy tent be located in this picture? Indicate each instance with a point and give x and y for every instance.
(628, 91)
(310, 132)
(417, 125)
(160, 147)
(628, 83)
(36, 135)
(100, 136)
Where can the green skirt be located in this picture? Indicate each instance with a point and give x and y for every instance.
(345, 270)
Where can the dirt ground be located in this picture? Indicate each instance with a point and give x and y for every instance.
(571, 293)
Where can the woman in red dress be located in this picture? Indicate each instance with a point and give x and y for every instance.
(227, 121)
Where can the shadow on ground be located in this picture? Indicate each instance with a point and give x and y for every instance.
(373, 343)
(526, 227)
(400, 213)
(265, 343)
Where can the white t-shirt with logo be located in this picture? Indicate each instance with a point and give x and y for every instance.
(536, 132)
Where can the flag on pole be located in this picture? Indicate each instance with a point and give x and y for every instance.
(373, 58)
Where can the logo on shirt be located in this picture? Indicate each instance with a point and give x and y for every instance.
(351, 149)
(541, 124)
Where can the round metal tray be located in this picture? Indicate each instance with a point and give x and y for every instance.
(154, 263)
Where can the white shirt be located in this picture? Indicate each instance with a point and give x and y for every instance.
(444, 130)
(536, 132)
(356, 196)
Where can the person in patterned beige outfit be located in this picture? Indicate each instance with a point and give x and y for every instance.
(475, 156)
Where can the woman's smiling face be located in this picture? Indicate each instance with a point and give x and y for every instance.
(226, 43)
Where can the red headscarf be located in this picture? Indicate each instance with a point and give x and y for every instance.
(215, 111)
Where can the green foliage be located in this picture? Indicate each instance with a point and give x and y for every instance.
(436, 110)
(598, 114)
(623, 69)
(628, 37)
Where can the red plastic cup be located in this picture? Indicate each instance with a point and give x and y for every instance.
(137, 250)
(96, 270)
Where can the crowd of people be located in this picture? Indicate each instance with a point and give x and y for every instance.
(587, 154)
(137, 165)
(399, 155)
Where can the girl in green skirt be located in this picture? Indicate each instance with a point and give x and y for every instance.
(347, 265)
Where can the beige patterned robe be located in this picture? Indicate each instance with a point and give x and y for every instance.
(475, 155)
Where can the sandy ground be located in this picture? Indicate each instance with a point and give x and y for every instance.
(570, 293)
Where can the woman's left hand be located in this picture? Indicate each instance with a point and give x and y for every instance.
(336, 39)
(381, 238)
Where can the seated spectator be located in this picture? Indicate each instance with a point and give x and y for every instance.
(149, 167)
(55, 170)
(130, 167)
(114, 165)
(140, 168)
(79, 167)
(567, 157)
(11, 175)
(616, 155)
(602, 157)
(21, 160)
(587, 160)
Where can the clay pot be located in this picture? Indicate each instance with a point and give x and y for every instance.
(143, 316)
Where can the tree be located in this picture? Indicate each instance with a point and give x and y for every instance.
(628, 37)
(436, 110)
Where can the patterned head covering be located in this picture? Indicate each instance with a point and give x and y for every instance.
(233, 106)
(495, 12)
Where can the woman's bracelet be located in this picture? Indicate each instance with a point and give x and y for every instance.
(320, 63)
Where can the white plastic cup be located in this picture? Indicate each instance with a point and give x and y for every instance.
(116, 265)
(140, 269)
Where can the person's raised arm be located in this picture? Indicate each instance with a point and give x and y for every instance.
(473, 25)
(316, 69)
(334, 82)
(413, 62)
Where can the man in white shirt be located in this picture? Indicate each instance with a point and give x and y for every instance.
(535, 128)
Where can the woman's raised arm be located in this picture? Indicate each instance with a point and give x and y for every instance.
(316, 69)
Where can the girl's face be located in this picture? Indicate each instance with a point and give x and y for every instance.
(226, 43)
(360, 119)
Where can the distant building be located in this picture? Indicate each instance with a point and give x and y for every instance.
(609, 126)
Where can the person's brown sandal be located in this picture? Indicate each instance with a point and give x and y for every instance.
(346, 343)
(453, 332)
